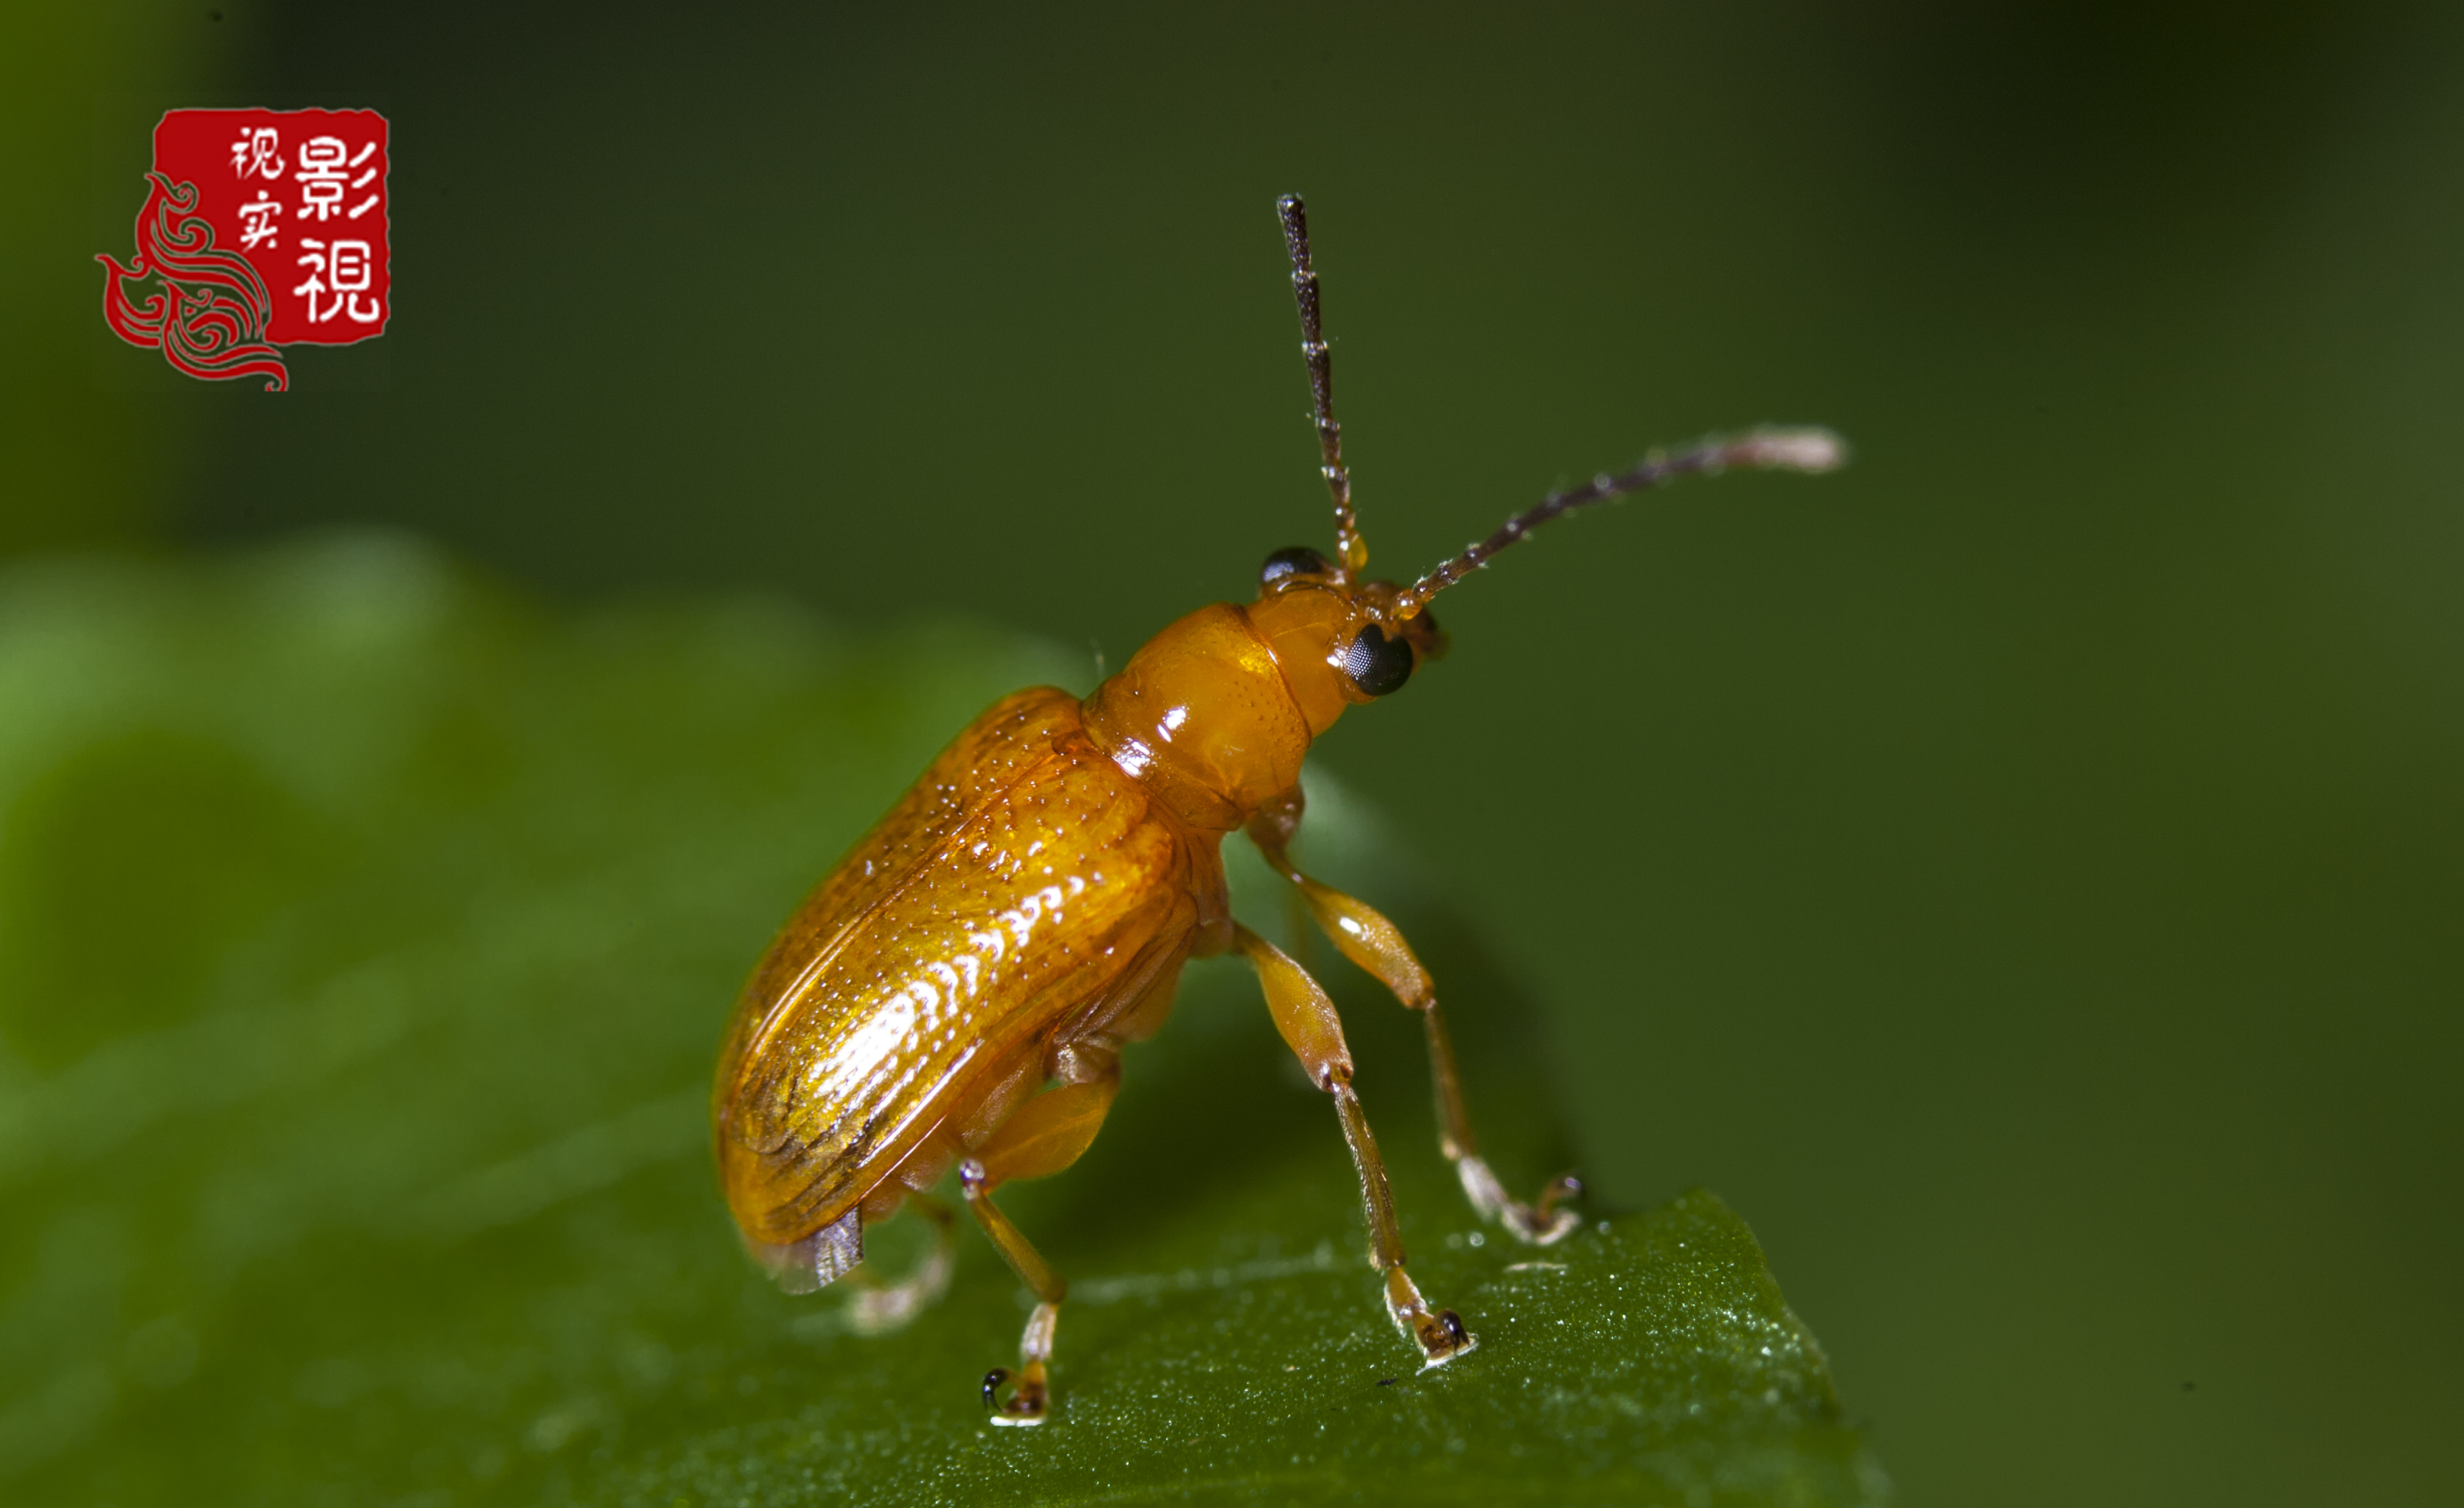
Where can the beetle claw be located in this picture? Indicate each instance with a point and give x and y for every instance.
(1025, 1402)
(1544, 1222)
(1442, 1337)
(1539, 1223)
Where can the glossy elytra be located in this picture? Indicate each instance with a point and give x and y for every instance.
(956, 994)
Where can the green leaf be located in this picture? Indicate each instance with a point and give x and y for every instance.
(364, 943)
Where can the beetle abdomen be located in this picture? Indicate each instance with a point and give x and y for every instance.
(1048, 875)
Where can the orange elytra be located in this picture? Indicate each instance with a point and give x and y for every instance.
(957, 991)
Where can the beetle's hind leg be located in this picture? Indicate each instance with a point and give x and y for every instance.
(877, 1307)
(1047, 1133)
(1364, 935)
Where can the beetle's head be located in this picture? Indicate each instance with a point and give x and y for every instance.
(1338, 641)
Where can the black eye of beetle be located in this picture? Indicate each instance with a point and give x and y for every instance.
(1377, 664)
(1297, 561)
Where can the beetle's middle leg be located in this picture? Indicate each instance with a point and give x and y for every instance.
(1047, 1133)
(879, 1305)
(1306, 1019)
(1363, 935)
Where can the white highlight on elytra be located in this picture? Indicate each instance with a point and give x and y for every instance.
(864, 1048)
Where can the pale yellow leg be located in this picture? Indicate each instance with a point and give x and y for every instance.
(1047, 1133)
(1306, 1019)
(1363, 935)
(877, 1307)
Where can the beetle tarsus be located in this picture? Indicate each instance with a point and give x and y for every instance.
(1542, 1222)
(1025, 1403)
(1438, 1332)
(1562, 1187)
(877, 1307)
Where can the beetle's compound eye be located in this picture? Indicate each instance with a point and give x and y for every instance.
(1378, 665)
(1298, 561)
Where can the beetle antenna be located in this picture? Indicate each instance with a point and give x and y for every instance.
(1802, 450)
(1353, 549)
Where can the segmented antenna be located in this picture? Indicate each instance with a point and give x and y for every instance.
(1806, 449)
(1349, 546)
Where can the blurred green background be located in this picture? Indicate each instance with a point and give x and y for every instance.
(2051, 825)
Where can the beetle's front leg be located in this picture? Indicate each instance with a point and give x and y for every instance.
(1364, 935)
(1306, 1019)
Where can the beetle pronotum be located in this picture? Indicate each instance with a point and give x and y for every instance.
(957, 991)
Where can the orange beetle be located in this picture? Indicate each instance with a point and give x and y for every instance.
(957, 991)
